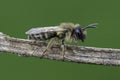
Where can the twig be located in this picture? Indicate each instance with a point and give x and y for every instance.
(78, 54)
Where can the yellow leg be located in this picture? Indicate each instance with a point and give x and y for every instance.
(63, 48)
(48, 46)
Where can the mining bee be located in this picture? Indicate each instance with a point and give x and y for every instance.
(64, 32)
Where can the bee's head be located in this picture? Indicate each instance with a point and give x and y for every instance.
(80, 33)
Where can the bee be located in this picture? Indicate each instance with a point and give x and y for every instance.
(64, 32)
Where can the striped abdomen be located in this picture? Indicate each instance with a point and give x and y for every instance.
(42, 36)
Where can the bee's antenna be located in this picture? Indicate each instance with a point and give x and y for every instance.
(94, 25)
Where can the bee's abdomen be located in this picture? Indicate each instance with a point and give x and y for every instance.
(42, 36)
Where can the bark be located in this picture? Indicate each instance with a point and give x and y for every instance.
(78, 54)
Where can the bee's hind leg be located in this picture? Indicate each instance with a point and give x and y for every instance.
(48, 46)
(63, 48)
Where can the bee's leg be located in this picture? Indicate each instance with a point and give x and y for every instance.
(63, 48)
(48, 46)
(29, 37)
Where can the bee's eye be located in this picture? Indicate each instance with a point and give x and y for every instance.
(77, 30)
(79, 33)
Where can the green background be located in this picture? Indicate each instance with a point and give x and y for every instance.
(17, 16)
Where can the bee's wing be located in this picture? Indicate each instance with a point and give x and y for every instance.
(44, 30)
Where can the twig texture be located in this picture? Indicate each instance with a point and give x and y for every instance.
(78, 54)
